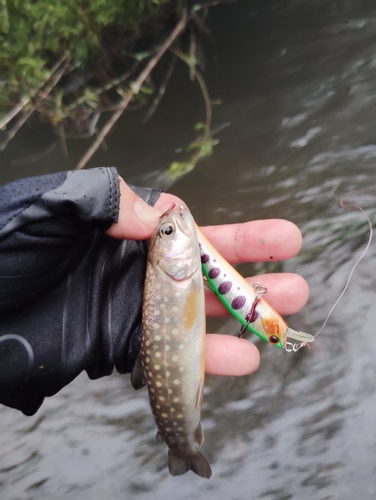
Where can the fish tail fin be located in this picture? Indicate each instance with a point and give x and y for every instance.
(197, 463)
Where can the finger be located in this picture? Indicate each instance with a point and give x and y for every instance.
(165, 201)
(137, 220)
(287, 293)
(231, 356)
(260, 240)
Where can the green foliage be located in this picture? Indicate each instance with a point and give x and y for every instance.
(35, 33)
(200, 148)
(73, 60)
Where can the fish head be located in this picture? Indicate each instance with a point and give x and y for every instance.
(174, 246)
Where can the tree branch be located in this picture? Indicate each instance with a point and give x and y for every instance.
(135, 88)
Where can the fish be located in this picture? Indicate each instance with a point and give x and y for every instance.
(171, 361)
(245, 302)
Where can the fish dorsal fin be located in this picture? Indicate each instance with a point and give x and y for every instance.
(137, 375)
(159, 437)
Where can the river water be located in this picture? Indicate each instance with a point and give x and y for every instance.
(295, 131)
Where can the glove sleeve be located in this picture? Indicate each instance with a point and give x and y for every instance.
(70, 296)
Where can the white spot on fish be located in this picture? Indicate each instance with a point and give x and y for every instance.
(157, 338)
(158, 384)
(175, 331)
(157, 326)
(161, 398)
(157, 367)
(181, 368)
(167, 320)
(179, 415)
(164, 415)
(175, 357)
(167, 347)
(170, 391)
(176, 382)
(157, 312)
(174, 309)
(176, 400)
(158, 354)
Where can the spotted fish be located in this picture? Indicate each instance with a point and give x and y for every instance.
(171, 360)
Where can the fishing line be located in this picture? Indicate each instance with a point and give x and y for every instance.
(358, 207)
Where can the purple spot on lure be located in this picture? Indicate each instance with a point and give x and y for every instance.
(214, 273)
(205, 258)
(224, 287)
(238, 302)
(251, 318)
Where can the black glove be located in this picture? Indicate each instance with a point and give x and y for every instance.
(70, 296)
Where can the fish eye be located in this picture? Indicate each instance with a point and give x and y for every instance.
(273, 339)
(166, 229)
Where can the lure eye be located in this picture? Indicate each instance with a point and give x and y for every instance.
(166, 230)
(273, 339)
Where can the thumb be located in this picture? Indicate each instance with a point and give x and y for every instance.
(136, 220)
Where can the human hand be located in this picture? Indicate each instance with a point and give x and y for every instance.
(248, 242)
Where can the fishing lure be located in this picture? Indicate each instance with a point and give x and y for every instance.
(245, 302)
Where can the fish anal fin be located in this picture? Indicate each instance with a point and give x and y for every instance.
(200, 395)
(181, 464)
(199, 435)
(137, 375)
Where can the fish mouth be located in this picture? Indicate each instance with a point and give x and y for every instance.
(176, 207)
(177, 212)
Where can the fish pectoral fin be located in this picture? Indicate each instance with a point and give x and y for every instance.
(199, 435)
(197, 463)
(137, 375)
(192, 305)
(207, 285)
(159, 437)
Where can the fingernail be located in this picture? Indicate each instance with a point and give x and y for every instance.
(145, 213)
